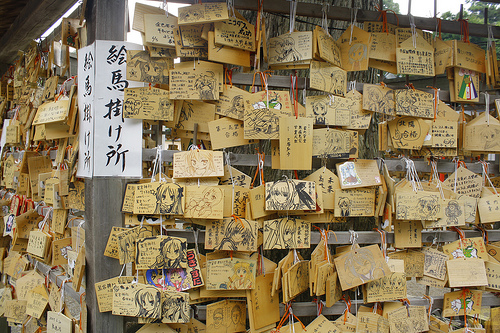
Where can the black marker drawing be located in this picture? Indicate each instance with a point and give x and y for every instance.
(169, 199)
(217, 320)
(237, 107)
(175, 307)
(261, 123)
(286, 234)
(140, 67)
(452, 212)
(132, 106)
(191, 14)
(290, 195)
(284, 50)
(206, 85)
(428, 207)
(172, 254)
(320, 110)
(345, 206)
(239, 235)
(147, 301)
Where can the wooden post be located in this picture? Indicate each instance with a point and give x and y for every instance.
(106, 20)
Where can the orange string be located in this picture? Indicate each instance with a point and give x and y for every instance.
(464, 30)
(484, 232)
(439, 26)
(348, 304)
(285, 316)
(323, 233)
(237, 218)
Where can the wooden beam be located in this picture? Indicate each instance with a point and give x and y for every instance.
(36, 17)
(344, 14)
(103, 195)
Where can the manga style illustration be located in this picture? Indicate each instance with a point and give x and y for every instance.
(147, 301)
(243, 277)
(231, 274)
(141, 67)
(360, 266)
(226, 316)
(348, 175)
(320, 110)
(172, 254)
(237, 107)
(204, 205)
(411, 102)
(175, 307)
(378, 99)
(282, 49)
(197, 163)
(233, 234)
(290, 195)
(452, 211)
(169, 199)
(286, 234)
(357, 54)
(191, 14)
(345, 206)
(206, 84)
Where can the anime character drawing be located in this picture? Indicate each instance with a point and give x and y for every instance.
(262, 123)
(280, 234)
(348, 174)
(489, 136)
(237, 107)
(320, 110)
(357, 55)
(452, 212)
(289, 195)
(362, 267)
(337, 82)
(335, 144)
(178, 279)
(147, 301)
(191, 14)
(239, 235)
(206, 84)
(243, 277)
(406, 102)
(175, 308)
(467, 89)
(284, 48)
(186, 113)
(200, 163)
(345, 206)
(203, 206)
(372, 99)
(153, 71)
(428, 207)
(164, 109)
(127, 248)
(172, 254)
(169, 199)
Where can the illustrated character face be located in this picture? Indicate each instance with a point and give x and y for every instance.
(218, 318)
(288, 231)
(241, 272)
(172, 250)
(319, 109)
(199, 164)
(280, 192)
(132, 106)
(192, 15)
(236, 314)
(212, 196)
(357, 52)
(238, 103)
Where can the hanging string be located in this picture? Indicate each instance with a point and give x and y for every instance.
(293, 13)
(230, 7)
(484, 233)
(490, 36)
(354, 17)
(348, 304)
(435, 176)
(429, 311)
(294, 94)
(464, 30)
(461, 236)
(260, 168)
(324, 19)
(485, 172)
(353, 238)
(487, 106)
(413, 29)
(412, 175)
(41, 225)
(383, 242)
(438, 28)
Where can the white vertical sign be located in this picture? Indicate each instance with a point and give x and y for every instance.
(86, 92)
(116, 141)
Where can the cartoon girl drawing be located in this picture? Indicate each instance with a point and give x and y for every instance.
(205, 85)
(237, 107)
(281, 234)
(361, 265)
(319, 110)
(169, 199)
(147, 301)
(238, 233)
(242, 277)
(285, 50)
(202, 207)
(177, 278)
(172, 254)
(175, 309)
(200, 163)
(357, 54)
(467, 89)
